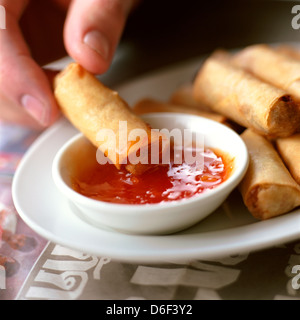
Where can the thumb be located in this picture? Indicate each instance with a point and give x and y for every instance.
(93, 29)
(24, 87)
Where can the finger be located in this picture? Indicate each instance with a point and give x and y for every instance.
(23, 84)
(93, 29)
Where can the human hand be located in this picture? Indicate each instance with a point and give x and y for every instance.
(91, 34)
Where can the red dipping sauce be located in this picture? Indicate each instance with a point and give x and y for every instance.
(162, 183)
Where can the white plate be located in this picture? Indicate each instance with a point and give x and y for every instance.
(230, 230)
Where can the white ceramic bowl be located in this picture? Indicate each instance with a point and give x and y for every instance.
(160, 218)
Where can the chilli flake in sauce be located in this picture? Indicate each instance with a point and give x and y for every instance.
(162, 183)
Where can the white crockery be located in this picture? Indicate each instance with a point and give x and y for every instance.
(161, 218)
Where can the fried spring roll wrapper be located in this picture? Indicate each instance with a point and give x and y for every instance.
(184, 97)
(243, 98)
(150, 105)
(90, 107)
(289, 150)
(289, 51)
(268, 189)
(272, 66)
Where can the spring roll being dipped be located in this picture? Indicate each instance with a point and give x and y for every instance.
(289, 150)
(268, 189)
(272, 66)
(245, 99)
(96, 110)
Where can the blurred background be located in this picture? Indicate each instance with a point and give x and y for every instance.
(163, 32)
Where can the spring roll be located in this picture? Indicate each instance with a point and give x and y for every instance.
(243, 98)
(90, 106)
(268, 189)
(150, 105)
(289, 150)
(271, 66)
(184, 97)
(289, 51)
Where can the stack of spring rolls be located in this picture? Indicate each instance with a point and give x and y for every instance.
(259, 88)
(255, 91)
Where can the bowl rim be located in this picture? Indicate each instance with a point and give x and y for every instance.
(230, 183)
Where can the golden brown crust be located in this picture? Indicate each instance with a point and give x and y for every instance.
(289, 150)
(272, 66)
(90, 106)
(243, 98)
(261, 201)
(268, 189)
(289, 51)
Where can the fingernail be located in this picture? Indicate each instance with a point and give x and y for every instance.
(36, 109)
(97, 42)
